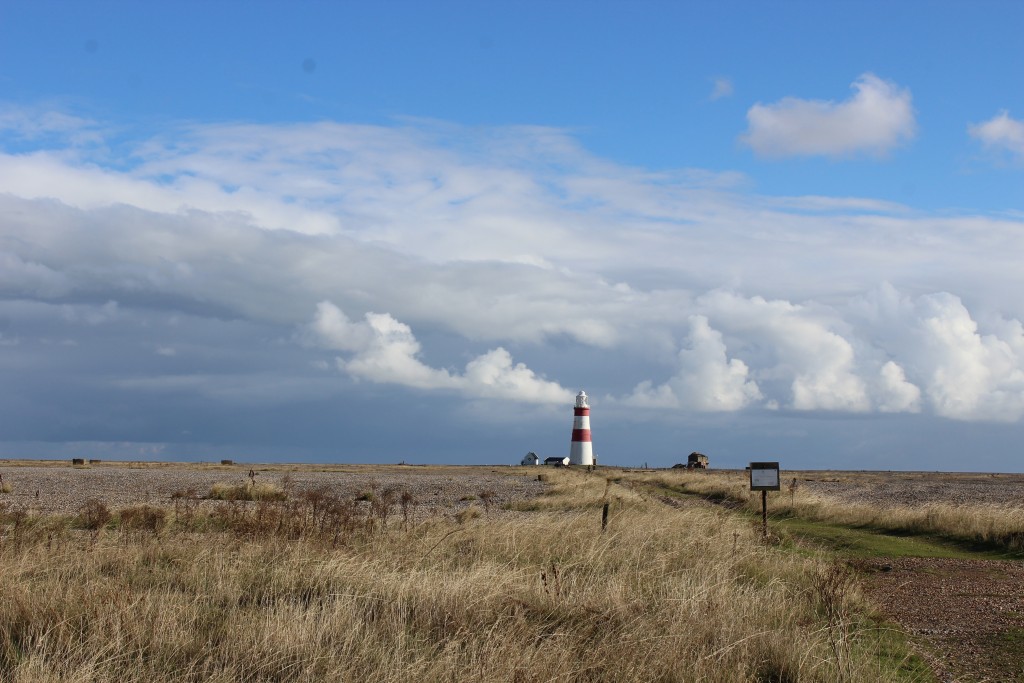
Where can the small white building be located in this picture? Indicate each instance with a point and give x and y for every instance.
(530, 458)
(555, 461)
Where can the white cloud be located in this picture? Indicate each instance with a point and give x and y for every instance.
(385, 351)
(38, 123)
(493, 375)
(970, 376)
(390, 356)
(875, 119)
(960, 372)
(332, 329)
(1000, 132)
(896, 394)
(722, 88)
(707, 379)
(817, 361)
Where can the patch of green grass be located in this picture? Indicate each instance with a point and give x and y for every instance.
(1005, 651)
(854, 542)
(1011, 642)
(869, 542)
(891, 648)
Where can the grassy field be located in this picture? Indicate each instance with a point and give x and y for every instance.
(316, 586)
(995, 529)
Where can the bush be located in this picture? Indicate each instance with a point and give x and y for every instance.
(472, 512)
(247, 491)
(144, 518)
(93, 515)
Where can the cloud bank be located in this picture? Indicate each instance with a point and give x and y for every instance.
(251, 267)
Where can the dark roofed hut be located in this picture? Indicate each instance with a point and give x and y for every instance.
(697, 461)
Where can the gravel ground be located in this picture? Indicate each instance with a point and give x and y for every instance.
(969, 614)
(889, 489)
(63, 489)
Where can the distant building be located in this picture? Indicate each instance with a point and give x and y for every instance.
(555, 461)
(530, 458)
(697, 461)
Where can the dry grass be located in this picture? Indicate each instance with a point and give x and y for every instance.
(249, 490)
(999, 525)
(318, 587)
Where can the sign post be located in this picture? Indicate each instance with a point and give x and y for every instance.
(764, 477)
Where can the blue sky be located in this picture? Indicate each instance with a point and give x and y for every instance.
(411, 231)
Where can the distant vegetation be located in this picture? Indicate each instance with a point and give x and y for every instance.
(313, 586)
(247, 491)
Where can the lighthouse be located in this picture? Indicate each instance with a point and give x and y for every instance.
(580, 451)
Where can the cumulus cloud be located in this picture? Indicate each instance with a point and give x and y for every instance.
(895, 393)
(877, 118)
(800, 346)
(1001, 132)
(707, 379)
(960, 371)
(384, 350)
(969, 375)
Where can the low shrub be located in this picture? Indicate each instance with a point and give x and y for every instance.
(247, 491)
(472, 512)
(143, 517)
(93, 515)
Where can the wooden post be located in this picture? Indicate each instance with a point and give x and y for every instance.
(764, 514)
(604, 517)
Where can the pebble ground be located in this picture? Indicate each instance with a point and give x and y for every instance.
(62, 488)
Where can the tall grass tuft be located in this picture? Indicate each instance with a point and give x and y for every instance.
(249, 490)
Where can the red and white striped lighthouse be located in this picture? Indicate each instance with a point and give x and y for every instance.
(581, 452)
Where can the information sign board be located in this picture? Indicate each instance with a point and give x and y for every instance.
(764, 476)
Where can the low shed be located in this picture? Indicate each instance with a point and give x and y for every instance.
(697, 461)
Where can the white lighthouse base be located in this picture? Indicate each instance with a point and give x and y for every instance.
(581, 453)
